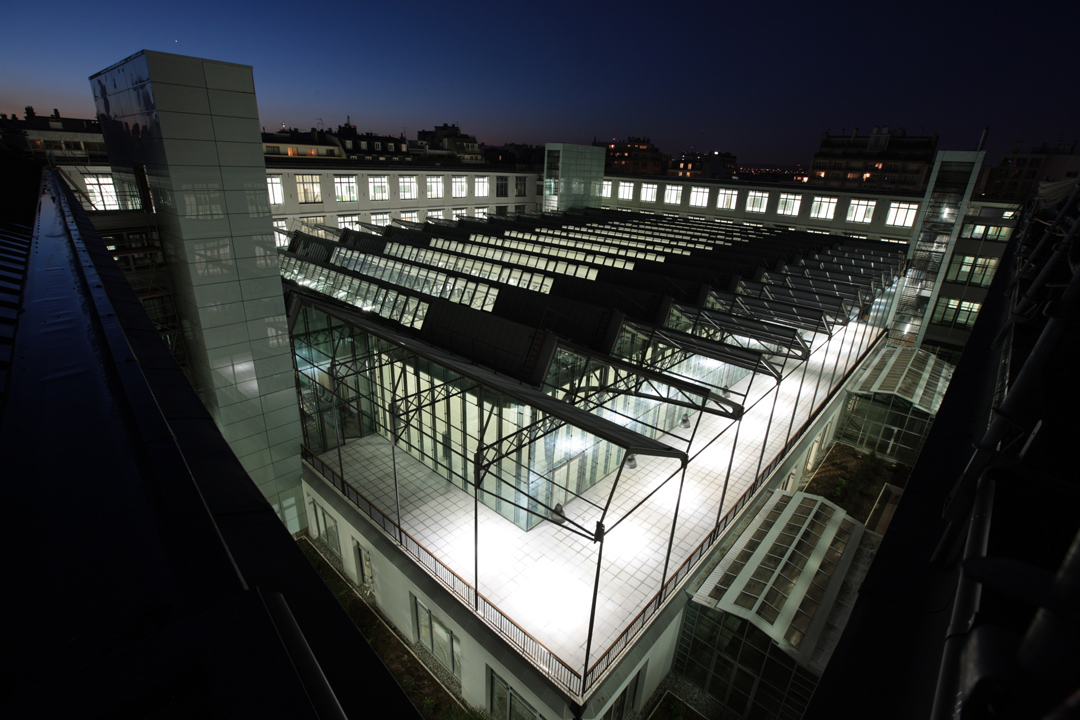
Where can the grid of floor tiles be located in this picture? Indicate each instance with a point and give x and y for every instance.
(544, 579)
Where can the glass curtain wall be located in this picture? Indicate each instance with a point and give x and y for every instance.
(354, 384)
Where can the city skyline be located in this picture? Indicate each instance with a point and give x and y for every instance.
(727, 80)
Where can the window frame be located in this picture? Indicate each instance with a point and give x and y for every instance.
(346, 189)
(308, 189)
(408, 187)
(727, 199)
(648, 192)
(699, 197)
(379, 188)
(902, 214)
(673, 194)
(861, 211)
(789, 204)
(275, 190)
(459, 186)
(481, 187)
(434, 185)
(820, 205)
(626, 190)
(757, 201)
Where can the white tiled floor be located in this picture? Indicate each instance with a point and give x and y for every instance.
(544, 579)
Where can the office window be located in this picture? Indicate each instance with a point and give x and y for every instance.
(672, 194)
(459, 213)
(437, 638)
(412, 216)
(480, 186)
(955, 312)
(626, 191)
(378, 187)
(434, 188)
(519, 208)
(823, 208)
(975, 270)
(382, 219)
(789, 204)
(308, 188)
(605, 189)
(502, 209)
(726, 199)
(434, 214)
(861, 211)
(502, 186)
(281, 237)
(519, 186)
(480, 212)
(345, 188)
(348, 222)
(699, 197)
(902, 214)
(459, 187)
(275, 190)
(648, 192)
(756, 201)
(407, 188)
(326, 527)
(506, 704)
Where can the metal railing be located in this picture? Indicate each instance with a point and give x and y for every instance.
(534, 650)
(531, 648)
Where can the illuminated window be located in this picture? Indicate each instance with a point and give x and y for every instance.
(410, 216)
(460, 213)
(281, 236)
(648, 192)
(955, 312)
(626, 191)
(434, 214)
(605, 189)
(975, 270)
(480, 187)
(519, 186)
(861, 211)
(345, 188)
(789, 204)
(348, 222)
(756, 201)
(378, 187)
(823, 208)
(502, 186)
(726, 199)
(308, 188)
(407, 187)
(378, 146)
(274, 189)
(480, 212)
(459, 186)
(434, 188)
(699, 197)
(672, 194)
(292, 152)
(902, 214)
(382, 219)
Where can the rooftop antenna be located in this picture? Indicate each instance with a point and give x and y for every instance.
(320, 122)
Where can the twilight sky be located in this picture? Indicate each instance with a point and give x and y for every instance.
(760, 79)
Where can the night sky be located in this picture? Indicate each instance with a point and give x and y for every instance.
(760, 79)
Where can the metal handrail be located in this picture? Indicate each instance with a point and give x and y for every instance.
(533, 649)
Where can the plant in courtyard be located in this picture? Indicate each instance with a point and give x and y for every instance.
(429, 704)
